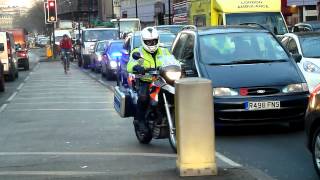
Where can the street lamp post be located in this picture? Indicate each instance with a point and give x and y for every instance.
(169, 4)
(136, 2)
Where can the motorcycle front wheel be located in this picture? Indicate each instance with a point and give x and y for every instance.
(143, 137)
(172, 133)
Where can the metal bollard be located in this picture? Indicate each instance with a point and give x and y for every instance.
(195, 128)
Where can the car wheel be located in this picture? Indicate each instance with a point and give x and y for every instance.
(316, 150)
(26, 66)
(2, 88)
(296, 125)
(11, 76)
(109, 75)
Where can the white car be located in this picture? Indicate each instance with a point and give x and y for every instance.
(307, 44)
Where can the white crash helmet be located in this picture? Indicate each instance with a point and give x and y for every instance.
(150, 39)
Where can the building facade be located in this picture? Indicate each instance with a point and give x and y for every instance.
(105, 10)
(150, 12)
(8, 13)
(306, 10)
(78, 10)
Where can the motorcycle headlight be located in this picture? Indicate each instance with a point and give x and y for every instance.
(224, 92)
(173, 76)
(311, 67)
(113, 64)
(295, 88)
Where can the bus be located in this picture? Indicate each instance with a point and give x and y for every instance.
(234, 12)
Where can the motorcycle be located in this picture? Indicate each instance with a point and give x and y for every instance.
(160, 115)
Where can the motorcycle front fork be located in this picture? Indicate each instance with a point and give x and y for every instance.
(172, 128)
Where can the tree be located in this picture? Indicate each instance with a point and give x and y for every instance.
(33, 20)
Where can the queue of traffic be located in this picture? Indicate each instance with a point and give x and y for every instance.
(13, 55)
(258, 77)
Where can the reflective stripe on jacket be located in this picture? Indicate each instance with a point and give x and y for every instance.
(148, 61)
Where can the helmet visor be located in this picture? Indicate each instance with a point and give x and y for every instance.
(151, 42)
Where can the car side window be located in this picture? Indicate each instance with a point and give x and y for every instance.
(126, 45)
(292, 46)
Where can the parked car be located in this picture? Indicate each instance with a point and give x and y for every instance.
(89, 38)
(312, 127)
(2, 85)
(8, 56)
(307, 26)
(254, 79)
(97, 56)
(175, 29)
(111, 59)
(307, 44)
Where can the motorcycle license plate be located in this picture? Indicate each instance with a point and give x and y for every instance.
(264, 105)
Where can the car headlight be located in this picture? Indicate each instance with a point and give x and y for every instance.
(294, 88)
(173, 76)
(224, 92)
(99, 57)
(113, 64)
(311, 67)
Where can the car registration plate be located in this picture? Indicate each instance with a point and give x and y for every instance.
(265, 105)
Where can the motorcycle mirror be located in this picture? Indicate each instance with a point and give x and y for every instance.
(136, 55)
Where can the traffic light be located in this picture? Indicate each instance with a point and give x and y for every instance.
(52, 11)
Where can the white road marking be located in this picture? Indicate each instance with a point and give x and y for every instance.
(12, 96)
(163, 155)
(20, 86)
(227, 160)
(3, 107)
(27, 78)
(87, 154)
(50, 173)
(35, 103)
(69, 97)
(42, 109)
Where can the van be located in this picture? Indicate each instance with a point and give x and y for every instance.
(90, 36)
(8, 56)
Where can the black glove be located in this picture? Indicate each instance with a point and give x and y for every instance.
(138, 69)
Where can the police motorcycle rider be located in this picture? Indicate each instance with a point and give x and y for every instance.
(152, 55)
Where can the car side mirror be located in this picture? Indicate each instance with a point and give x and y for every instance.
(136, 55)
(125, 52)
(297, 57)
(1, 47)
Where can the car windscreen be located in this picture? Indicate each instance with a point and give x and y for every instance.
(229, 48)
(172, 29)
(116, 47)
(99, 35)
(58, 38)
(167, 38)
(136, 41)
(273, 20)
(100, 46)
(310, 46)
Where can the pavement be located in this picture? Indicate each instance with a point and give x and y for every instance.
(57, 126)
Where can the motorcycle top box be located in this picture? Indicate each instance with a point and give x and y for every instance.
(123, 103)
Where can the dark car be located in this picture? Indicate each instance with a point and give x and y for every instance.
(23, 57)
(313, 127)
(111, 59)
(307, 26)
(255, 80)
(2, 86)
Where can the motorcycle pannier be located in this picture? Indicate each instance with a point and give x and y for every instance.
(122, 103)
